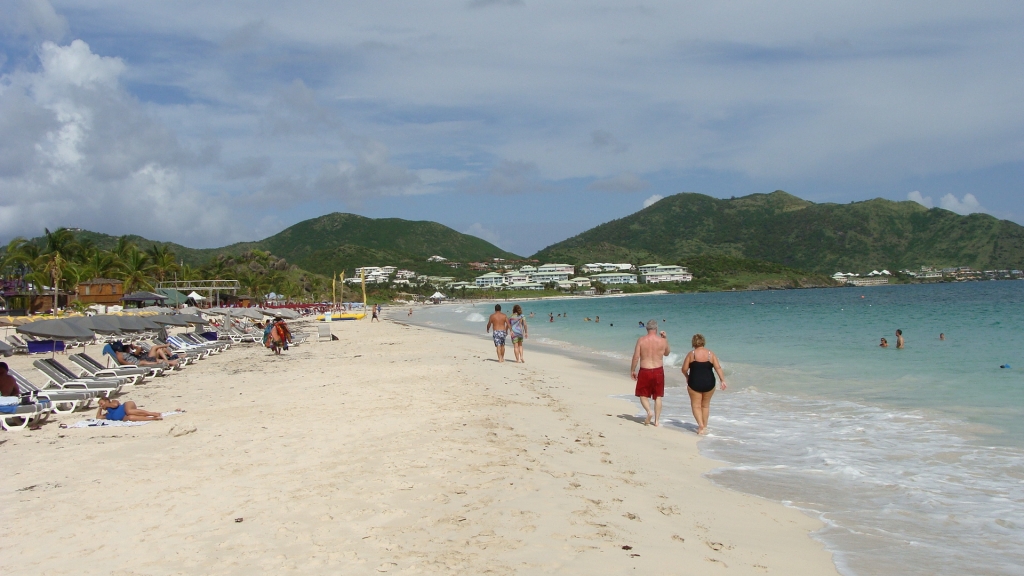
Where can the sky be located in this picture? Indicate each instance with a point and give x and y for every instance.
(518, 121)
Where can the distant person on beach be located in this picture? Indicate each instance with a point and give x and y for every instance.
(899, 339)
(699, 368)
(649, 355)
(499, 323)
(517, 324)
(8, 385)
(410, 311)
(884, 343)
(127, 412)
(376, 316)
(942, 335)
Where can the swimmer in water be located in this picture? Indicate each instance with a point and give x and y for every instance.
(942, 335)
(884, 344)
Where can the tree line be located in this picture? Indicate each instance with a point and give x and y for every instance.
(63, 260)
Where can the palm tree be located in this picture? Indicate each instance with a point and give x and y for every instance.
(124, 247)
(163, 260)
(100, 264)
(137, 271)
(61, 241)
(254, 283)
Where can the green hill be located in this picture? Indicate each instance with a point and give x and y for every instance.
(337, 242)
(782, 228)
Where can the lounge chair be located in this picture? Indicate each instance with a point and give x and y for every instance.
(154, 371)
(58, 379)
(198, 340)
(323, 332)
(30, 413)
(19, 345)
(89, 368)
(63, 401)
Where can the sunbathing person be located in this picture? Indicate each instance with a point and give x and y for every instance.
(127, 355)
(127, 412)
(159, 352)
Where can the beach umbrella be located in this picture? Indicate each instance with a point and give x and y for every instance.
(158, 309)
(189, 310)
(250, 313)
(266, 312)
(100, 324)
(288, 314)
(57, 330)
(168, 320)
(135, 323)
(193, 319)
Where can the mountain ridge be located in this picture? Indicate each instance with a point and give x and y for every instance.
(779, 227)
(335, 242)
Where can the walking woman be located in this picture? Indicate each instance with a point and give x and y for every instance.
(519, 332)
(699, 368)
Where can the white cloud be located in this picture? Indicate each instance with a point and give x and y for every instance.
(624, 182)
(916, 196)
(510, 177)
(372, 174)
(653, 199)
(480, 231)
(31, 20)
(79, 151)
(968, 205)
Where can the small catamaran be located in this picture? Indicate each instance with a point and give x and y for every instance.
(348, 315)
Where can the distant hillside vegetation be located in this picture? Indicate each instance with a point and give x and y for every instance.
(342, 241)
(337, 242)
(782, 228)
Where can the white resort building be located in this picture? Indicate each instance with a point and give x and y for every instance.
(614, 278)
(655, 273)
(489, 279)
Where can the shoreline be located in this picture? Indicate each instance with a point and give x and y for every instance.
(458, 465)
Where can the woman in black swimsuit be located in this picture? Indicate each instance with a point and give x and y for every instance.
(699, 368)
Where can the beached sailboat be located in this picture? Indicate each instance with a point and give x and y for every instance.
(348, 315)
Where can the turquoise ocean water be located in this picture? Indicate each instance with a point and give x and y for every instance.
(914, 458)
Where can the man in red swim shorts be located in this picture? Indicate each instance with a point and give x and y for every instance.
(649, 354)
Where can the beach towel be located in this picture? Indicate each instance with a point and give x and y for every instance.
(94, 423)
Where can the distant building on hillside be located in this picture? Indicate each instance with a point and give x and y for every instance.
(489, 279)
(437, 259)
(656, 273)
(614, 278)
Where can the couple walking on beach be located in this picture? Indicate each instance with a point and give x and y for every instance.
(500, 325)
(699, 368)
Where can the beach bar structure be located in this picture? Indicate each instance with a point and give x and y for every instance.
(102, 291)
(212, 288)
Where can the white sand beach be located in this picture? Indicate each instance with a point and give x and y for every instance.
(395, 449)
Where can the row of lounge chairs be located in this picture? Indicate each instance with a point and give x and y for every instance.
(66, 390)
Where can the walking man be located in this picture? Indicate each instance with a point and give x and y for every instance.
(650, 353)
(499, 323)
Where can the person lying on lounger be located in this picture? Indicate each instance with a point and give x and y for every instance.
(158, 352)
(127, 412)
(128, 354)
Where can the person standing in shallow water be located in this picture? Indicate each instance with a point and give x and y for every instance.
(517, 324)
(899, 340)
(699, 368)
(499, 323)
